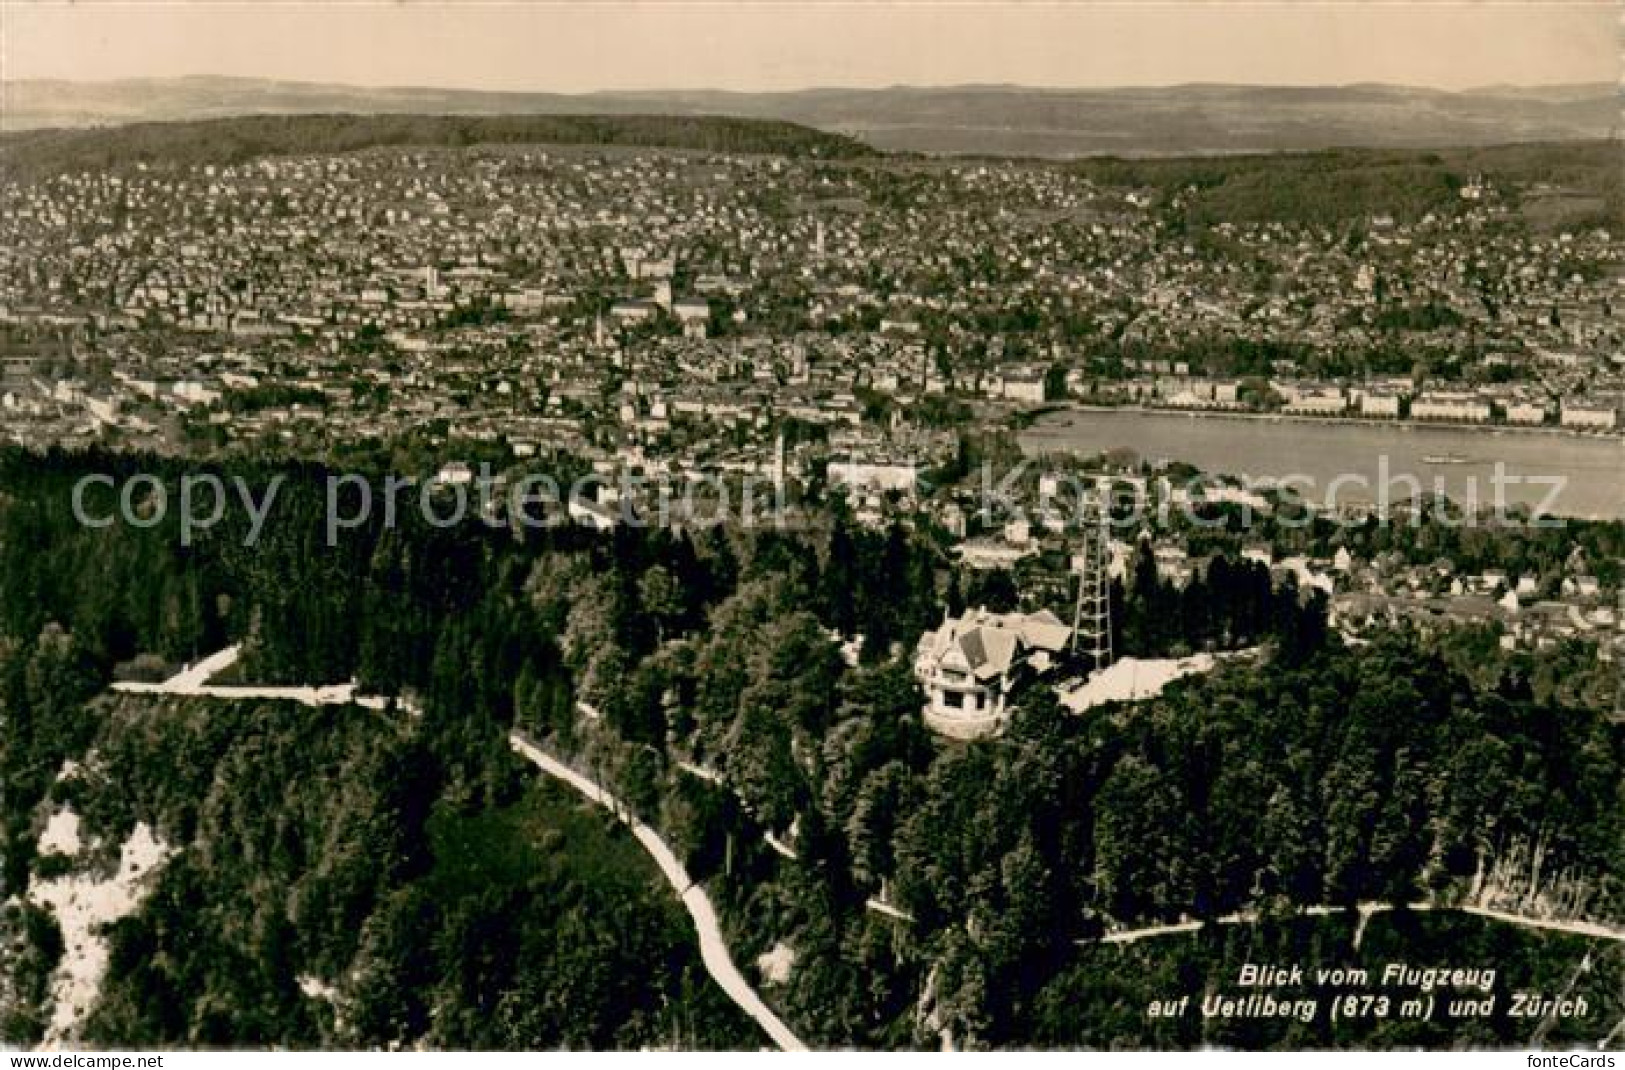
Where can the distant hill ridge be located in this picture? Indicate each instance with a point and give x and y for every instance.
(235, 140)
(978, 119)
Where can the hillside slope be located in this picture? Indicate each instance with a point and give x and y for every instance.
(235, 140)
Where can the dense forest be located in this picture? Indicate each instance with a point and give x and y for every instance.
(1376, 774)
(1354, 184)
(1306, 773)
(317, 842)
(236, 140)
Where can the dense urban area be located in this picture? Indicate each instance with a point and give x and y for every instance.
(614, 299)
(955, 766)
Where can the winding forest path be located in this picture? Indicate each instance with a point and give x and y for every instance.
(193, 682)
(713, 947)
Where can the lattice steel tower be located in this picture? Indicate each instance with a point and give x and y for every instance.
(1092, 620)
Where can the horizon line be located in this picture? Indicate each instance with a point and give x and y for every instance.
(817, 88)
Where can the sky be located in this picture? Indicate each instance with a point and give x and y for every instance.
(771, 44)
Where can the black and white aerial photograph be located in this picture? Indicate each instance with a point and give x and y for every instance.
(811, 525)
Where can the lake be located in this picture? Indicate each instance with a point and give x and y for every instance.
(1591, 468)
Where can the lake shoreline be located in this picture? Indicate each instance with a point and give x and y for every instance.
(1050, 414)
(1552, 471)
